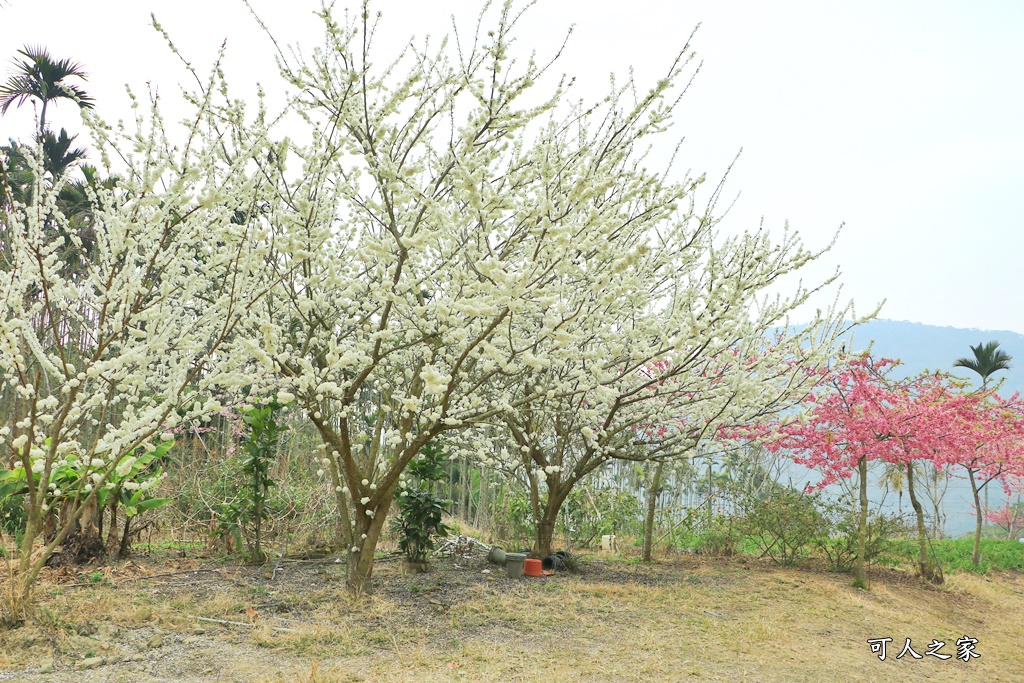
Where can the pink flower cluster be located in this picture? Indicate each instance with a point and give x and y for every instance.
(860, 412)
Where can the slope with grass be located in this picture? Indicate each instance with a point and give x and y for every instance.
(682, 619)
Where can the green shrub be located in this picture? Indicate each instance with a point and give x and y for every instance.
(129, 487)
(784, 524)
(420, 510)
(241, 510)
(13, 517)
(512, 521)
(722, 535)
(955, 554)
(263, 431)
(838, 542)
(594, 512)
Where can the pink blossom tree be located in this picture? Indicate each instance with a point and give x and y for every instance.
(990, 447)
(860, 415)
(1010, 517)
(929, 406)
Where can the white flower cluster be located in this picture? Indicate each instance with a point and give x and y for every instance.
(147, 311)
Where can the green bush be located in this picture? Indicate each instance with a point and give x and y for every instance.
(13, 518)
(784, 524)
(722, 535)
(129, 488)
(596, 512)
(263, 431)
(838, 542)
(512, 521)
(243, 496)
(420, 509)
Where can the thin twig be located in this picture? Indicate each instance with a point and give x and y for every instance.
(240, 623)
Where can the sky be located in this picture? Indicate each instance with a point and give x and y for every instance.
(901, 121)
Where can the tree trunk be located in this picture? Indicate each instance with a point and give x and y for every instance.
(29, 566)
(257, 543)
(122, 549)
(343, 529)
(652, 508)
(49, 525)
(112, 539)
(467, 484)
(547, 517)
(482, 503)
(1014, 517)
(860, 574)
(937, 505)
(360, 562)
(987, 508)
(976, 555)
(545, 534)
(27, 543)
(711, 495)
(928, 570)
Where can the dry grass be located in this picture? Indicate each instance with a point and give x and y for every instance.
(686, 619)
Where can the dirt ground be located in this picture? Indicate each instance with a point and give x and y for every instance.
(687, 618)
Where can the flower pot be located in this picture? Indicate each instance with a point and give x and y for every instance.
(514, 565)
(496, 556)
(532, 568)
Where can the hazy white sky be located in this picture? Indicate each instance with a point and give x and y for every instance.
(903, 120)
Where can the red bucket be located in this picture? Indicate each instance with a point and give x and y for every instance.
(533, 568)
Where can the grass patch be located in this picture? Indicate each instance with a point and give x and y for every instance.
(688, 618)
(954, 554)
(319, 640)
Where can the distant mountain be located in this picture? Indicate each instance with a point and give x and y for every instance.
(930, 347)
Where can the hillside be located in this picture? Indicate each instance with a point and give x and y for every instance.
(931, 347)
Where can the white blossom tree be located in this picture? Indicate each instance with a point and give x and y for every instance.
(101, 366)
(658, 412)
(433, 212)
(458, 256)
(688, 344)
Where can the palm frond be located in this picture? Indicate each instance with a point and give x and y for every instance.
(39, 76)
(988, 358)
(17, 90)
(969, 363)
(58, 153)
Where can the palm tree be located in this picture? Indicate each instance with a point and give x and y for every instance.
(39, 77)
(16, 175)
(987, 359)
(74, 200)
(58, 155)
